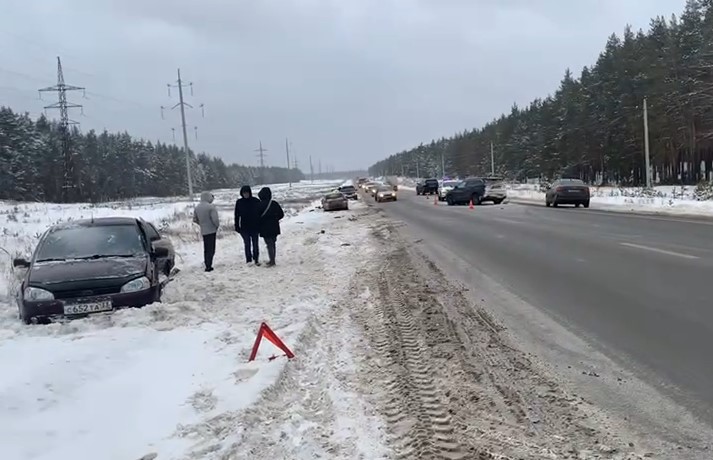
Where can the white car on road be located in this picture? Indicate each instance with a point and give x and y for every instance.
(444, 187)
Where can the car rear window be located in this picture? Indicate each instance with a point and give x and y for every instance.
(87, 242)
(334, 195)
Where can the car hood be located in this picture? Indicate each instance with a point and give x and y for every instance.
(81, 270)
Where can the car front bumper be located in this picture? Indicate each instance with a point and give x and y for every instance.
(50, 308)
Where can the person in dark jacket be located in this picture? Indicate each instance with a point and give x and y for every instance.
(269, 224)
(247, 220)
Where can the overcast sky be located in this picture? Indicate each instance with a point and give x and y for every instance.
(348, 81)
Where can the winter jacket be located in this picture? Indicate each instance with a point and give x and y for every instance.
(247, 216)
(206, 215)
(270, 214)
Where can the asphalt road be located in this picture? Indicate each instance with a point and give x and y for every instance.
(640, 285)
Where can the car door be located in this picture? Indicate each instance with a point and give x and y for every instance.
(156, 241)
(475, 187)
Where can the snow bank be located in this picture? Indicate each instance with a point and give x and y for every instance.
(664, 199)
(162, 379)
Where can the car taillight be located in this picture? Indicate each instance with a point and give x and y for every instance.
(559, 189)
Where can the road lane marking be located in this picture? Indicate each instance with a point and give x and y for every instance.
(660, 251)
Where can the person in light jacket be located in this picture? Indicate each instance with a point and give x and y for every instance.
(270, 213)
(206, 215)
(246, 223)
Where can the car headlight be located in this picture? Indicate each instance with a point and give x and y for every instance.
(36, 294)
(381, 195)
(139, 284)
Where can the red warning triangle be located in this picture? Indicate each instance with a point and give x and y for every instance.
(270, 335)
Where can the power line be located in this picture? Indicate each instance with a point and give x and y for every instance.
(61, 89)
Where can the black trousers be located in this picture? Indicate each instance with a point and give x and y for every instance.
(252, 247)
(271, 250)
(208, 249)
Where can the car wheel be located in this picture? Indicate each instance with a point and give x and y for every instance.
(547, 203)
(576, 205)
(554, 203)
(586, 204)
(449, 200)
(25, 319)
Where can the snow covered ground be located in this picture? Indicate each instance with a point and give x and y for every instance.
(665, 199)
(172, 379)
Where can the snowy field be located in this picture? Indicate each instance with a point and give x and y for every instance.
(171, 380)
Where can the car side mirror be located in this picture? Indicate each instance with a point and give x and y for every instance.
(20, 263)
(160, 252)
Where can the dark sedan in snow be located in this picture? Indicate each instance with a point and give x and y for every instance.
(92, 266)
(567, 191)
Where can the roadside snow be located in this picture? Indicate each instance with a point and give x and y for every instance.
(173, 378)
(664, 199)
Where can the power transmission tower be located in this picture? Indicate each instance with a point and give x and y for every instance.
(262, 156)
(180, 84)
(61, 89)
(289, 173)
(311, 169)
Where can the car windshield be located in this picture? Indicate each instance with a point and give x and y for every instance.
(348, 189)
(91, 242)
(571, 182)
(450, 183)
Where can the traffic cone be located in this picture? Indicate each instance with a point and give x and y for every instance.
(470, 206)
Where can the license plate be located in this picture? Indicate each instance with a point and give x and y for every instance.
(87, 307)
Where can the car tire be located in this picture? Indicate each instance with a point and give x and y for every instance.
(449, 200)
(576, 205)
(554, 203)
(586, 204)
(547, 203)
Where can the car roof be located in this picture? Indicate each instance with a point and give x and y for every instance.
(97, 222)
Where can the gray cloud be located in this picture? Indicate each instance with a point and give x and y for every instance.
(349, 81)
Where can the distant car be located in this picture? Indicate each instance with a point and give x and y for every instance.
(371, 188)
(469, 190)
(567, 191)
(90, 266)
(427, 187)
(361, 181)
(445, 187)
(385, 193)
(494, 190)
(335, 201)
(349, 192)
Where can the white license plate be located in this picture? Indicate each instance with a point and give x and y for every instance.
(87, 307)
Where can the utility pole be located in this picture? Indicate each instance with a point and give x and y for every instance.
(287, 150)
(180, 84)
(69, 186)
(262, 156)
(492, 160)
(418, 174)
(443, 166)
(320, 168)
(646, 145)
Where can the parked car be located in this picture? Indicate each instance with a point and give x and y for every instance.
(567, 191)
(470, 189)
(167, 263)
(335, 201)
(427, 187)
(91, 266)
(446, 186)
(349, 192)
(385, 193)
(494, 190)
(361, 181)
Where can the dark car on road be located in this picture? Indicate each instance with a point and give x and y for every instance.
(567, 191)
(471, 189)
(427, 187)
(91, 266)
